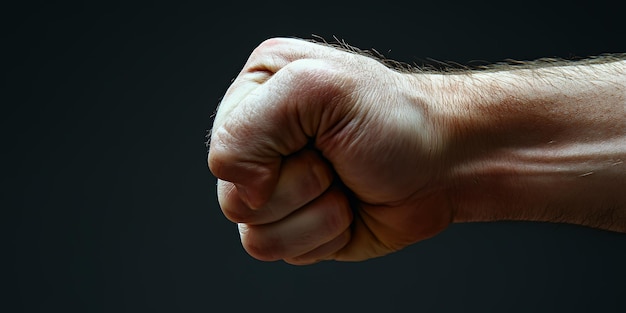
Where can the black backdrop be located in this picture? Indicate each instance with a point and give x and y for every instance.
(109, 205)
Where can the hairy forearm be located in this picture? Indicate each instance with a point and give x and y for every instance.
(538, 144)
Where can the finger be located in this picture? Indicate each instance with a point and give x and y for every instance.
(275, 53)
(323, 252)
(266, 60)
(304, 176)
(315, 224)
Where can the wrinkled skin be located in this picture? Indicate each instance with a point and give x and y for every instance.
(323, 154)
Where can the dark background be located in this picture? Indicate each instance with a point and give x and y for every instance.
(109, 205)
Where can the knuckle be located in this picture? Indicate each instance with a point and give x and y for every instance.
(258, 246)
(269, 43)
(238, 215)
(230, 204)
(320, 81)
(218, 155)
(306, 70)
(233, 208)
(267, 56)
(215, 164)
(264, 46)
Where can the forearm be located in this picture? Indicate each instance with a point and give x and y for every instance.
(539, 144)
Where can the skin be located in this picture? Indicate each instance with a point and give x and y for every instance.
(327, 154)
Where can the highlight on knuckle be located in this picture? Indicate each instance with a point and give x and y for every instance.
(267, 56)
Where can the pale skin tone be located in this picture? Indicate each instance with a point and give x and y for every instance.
(323, 154)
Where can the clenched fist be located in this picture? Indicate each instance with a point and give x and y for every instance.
(327, 154)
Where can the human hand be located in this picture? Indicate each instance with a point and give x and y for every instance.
(326, 154)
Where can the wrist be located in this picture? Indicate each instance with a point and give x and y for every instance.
(531, 145)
